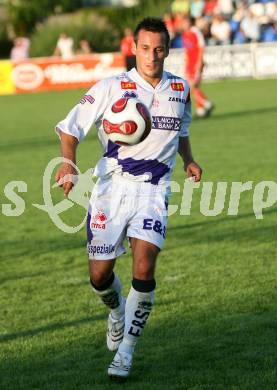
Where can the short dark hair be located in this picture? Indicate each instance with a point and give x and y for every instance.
(153, 25)
(191, 19)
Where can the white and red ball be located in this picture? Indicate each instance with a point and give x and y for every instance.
(127, 121)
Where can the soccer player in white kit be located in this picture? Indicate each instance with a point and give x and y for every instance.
(131, 194)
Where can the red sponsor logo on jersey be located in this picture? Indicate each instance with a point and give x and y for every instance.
(128, 85)
(99, 221)
(177, 86)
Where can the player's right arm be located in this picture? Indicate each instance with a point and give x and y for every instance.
(66, 172)
(75, 127)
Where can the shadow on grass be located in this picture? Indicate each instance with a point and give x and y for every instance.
(213, 350)
(50, 328)
(34, 247)
(31, 275)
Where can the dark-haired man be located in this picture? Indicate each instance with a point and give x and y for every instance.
(133, 184)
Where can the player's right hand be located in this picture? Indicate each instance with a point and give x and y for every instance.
(66, 177)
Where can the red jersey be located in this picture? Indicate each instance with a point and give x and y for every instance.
(193, 42)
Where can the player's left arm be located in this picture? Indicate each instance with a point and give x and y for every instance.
(191, 167)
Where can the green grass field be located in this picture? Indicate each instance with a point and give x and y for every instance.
(214, 322)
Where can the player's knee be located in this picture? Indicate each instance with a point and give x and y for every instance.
(99, 277)
(144, 270)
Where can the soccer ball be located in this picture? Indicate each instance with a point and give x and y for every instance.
(127, 121)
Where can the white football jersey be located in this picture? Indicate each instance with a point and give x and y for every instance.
(153, 159)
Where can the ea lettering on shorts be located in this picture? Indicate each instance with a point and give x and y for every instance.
(98, 226)
(155, 225)
(138, 324)
(99, 220)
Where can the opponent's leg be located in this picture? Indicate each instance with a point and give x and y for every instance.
(203, 106)
(108, 287)
(138, 305)
(202, 100)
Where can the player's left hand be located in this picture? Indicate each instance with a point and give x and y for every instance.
(194, 171)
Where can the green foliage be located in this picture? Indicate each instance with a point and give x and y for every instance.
(121, 18)
(101, 26)
(30, 17)
(80, 25)
(5, 43)
(213, 324)
(24, 14)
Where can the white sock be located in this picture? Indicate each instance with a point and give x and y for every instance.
(200, 111)
(208, 105)
(112, 298)
(137, 310)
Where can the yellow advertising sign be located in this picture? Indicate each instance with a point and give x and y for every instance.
(6, 80)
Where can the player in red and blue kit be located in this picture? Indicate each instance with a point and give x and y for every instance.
(194, 44)
(131, 194)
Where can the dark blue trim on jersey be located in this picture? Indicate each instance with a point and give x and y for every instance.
(156, 168)
(173, 77)
(130, 94)
(89, 232)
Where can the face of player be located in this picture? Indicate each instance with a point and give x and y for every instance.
(151, 51)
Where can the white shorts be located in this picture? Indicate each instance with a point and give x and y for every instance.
(121, 208)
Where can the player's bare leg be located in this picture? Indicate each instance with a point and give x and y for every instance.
(100, 271)
(108, 287)
(202, 104)
(138, 305)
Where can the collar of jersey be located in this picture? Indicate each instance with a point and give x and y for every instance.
(134, 75)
